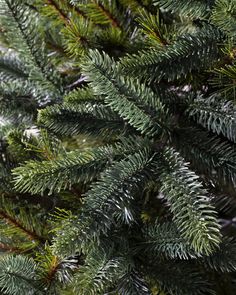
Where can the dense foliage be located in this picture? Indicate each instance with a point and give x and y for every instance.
(118, 147)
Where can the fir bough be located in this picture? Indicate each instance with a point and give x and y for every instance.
(117, 139)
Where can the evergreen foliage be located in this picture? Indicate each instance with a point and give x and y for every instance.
(117, 138)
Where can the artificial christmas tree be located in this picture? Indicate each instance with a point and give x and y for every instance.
(117, 147)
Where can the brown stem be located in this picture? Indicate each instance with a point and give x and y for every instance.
(62, 14)
(114, 22)
(77, 10)
(10, 249)
(159, 37)
(31, 234)
(59, 10)
(55, 264)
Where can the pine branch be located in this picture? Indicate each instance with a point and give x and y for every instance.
(89, 118)
(164, 240)
(188, 201)
(67, 169)
(215, 114)
(17, 275)
(152, 27)
(55, 271)
(224, 15)
(31, 234)
(187, 8)
(99, 273)
(11, 68)
(190, 52)
(211, 156)
(78, 35)
(78, 234)
(59, 174)
(223, 260)
(132, 283)
(110, 199)
(16, 17)
(133, 217)
(124, 95)
(57, 8)
(226, 204)
(224, 79)
(177, 277)
(100, 13)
